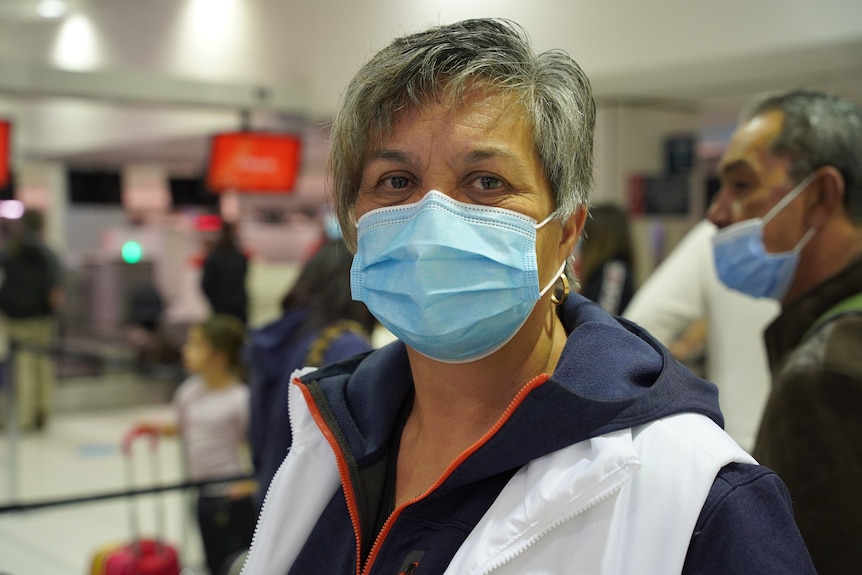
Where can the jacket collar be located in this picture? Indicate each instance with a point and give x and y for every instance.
(797, 317)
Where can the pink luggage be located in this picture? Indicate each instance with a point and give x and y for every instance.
(142, 556)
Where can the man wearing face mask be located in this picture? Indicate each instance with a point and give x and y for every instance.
(790, 218)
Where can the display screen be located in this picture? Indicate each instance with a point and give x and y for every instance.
(94, 186)
(253, 162)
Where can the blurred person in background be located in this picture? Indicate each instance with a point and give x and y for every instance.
(146, 310)
(686, 307)
(513, 427)
(320, 324)
(4, 335)
(789, 214)
(30, 296)
(211, 417)
(223, 278)
(606, 258)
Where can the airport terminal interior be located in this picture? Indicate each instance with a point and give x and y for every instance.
(112, 114)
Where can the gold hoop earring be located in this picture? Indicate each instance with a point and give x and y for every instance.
(559, 299)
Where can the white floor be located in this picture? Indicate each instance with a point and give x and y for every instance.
(78, 454)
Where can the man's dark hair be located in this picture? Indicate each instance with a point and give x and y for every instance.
(819, 130)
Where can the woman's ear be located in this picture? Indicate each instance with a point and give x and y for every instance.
(572, 229)
(829, 200)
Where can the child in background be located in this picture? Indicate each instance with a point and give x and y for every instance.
(212, 415)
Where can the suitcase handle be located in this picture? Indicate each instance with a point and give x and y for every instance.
(153, 433)
(143, 430)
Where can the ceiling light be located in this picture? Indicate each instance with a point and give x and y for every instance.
(51, 8)
(11, 209)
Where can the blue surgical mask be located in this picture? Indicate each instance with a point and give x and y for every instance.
(741, 259)
(454, 281)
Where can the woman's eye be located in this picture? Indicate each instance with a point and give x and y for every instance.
(396, 182)
(488, 182)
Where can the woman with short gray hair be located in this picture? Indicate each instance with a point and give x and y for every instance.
(514, 427)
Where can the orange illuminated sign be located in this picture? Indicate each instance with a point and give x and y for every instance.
(253, 162)
(5, 132)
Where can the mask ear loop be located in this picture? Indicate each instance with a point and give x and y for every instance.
(789, 197)
(545, 221)
(561, 275)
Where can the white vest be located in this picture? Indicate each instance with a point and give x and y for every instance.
(622, 503)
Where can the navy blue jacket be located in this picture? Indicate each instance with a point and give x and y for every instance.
(612, 376)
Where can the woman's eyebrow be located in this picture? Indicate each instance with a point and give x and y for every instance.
(389, 155)
(469, 157)
(482, 154)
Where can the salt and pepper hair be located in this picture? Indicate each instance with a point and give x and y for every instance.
(819, 130)
(443, 64)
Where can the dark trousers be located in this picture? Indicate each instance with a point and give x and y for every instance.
(226, 526)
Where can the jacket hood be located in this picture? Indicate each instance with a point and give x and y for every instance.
(612, 375)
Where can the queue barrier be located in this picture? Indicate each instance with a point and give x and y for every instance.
(125, 493)
(8, 389)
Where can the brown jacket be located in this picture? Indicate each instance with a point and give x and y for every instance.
(811, 431)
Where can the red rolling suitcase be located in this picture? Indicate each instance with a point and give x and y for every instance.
(143, 556)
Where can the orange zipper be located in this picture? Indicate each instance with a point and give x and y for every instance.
(513, 405)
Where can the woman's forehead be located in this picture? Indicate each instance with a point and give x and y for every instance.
(476, 106)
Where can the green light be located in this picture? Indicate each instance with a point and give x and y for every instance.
(132, 252)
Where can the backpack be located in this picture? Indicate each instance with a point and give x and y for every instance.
(27, 283)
